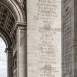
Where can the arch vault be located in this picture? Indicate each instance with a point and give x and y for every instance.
(12, 30)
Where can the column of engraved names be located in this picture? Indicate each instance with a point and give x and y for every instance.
(47, 47)
(47, 52)
(47, 11)
(67, 39)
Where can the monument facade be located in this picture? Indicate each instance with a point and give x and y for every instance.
(13, 31)
(40, 37)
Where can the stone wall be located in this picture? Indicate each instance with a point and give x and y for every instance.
(68, 37)
(44, 38)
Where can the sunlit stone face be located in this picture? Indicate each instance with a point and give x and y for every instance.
(44, 38)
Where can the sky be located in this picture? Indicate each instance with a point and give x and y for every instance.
(3, 59)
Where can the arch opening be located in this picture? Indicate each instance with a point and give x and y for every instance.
(10, 19)
(3, 59)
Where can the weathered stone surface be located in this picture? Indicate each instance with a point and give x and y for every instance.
(21, 52)
(38, 53)
(68, 37)
(44, 38)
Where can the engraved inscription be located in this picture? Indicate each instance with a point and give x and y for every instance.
(44, 38)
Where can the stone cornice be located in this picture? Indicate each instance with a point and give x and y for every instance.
(20, 25)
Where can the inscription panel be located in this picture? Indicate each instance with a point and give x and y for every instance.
(44, 38)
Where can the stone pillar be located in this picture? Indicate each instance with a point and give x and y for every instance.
(44, 38)
(10, 62)
(21, 52)
(69, 38)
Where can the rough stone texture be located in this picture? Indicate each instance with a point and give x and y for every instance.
(75, 38)
(68, 38)
(69, 29)
(44, 38)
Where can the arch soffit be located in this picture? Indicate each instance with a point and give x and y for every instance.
(15, 9)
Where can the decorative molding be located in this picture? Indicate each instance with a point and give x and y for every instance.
(8, 50)
(8, 20)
